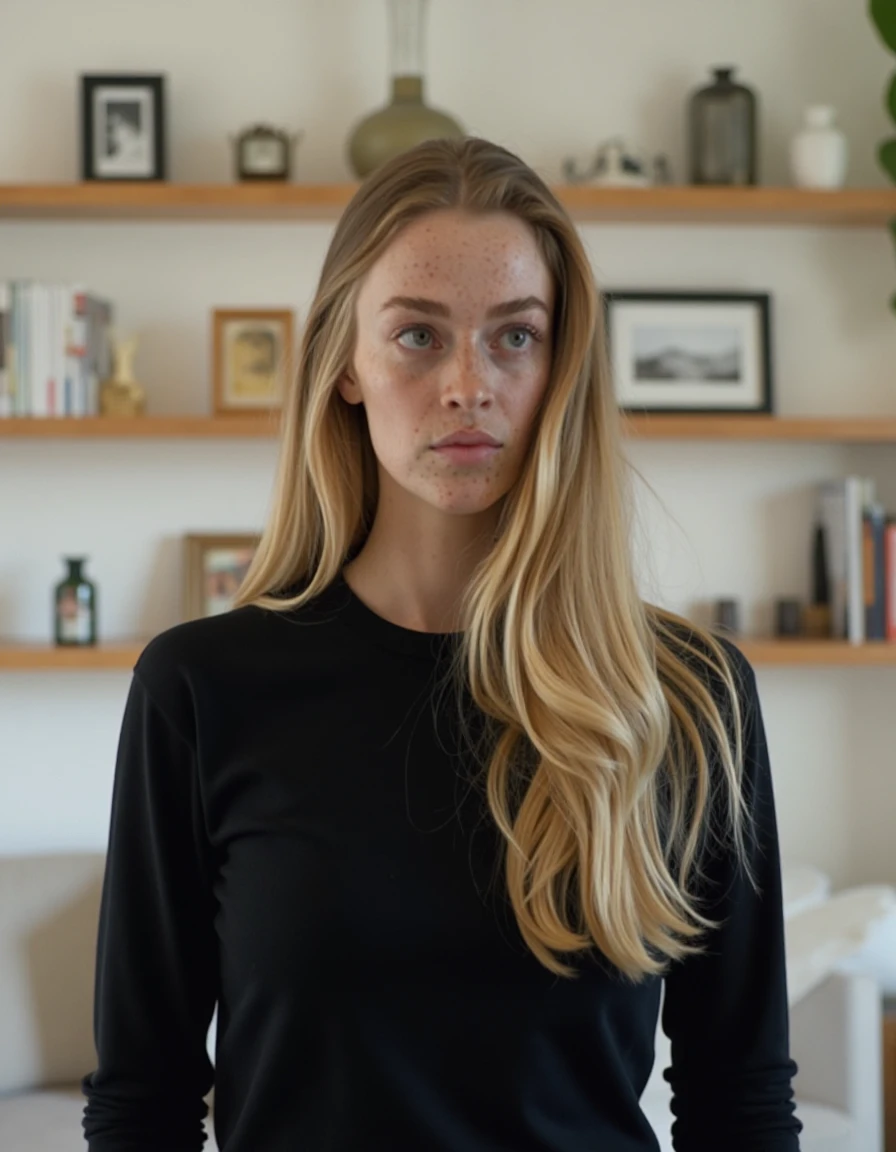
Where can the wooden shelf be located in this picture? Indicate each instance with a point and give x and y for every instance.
(822, 429)
(672, 204)
(20, 656)
(122, 655)
(164, 201)
(669, 204)
(817, 652)
(140, 427)
(836, 429)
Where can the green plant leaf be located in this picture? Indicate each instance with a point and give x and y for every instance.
(883, 16)
(886, 154)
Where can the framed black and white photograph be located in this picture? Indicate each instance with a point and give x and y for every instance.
(690, 351)
(123, 127)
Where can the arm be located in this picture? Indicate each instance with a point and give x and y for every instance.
(156, 970)
(725, 1011)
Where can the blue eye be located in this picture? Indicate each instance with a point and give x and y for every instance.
(523, 330)
(416, 329)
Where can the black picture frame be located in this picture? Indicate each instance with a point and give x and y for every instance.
(138, 153)
(730, 353)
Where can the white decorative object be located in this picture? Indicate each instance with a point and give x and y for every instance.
(819, 154)
(616, 165)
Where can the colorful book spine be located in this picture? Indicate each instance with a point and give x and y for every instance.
(55, 349)
(97, 315)
(873, 568)
(17, 355)
(6, 400)
(841, 504)
(37, 388)
(890, 577)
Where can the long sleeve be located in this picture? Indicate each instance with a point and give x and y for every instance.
(156, 970)
(725, 1011)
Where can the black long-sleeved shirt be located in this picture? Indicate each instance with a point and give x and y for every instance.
(296, 834)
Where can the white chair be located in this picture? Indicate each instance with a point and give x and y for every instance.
(835, 1040)
(835, 1016)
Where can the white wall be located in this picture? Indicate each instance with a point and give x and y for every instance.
(547, 80)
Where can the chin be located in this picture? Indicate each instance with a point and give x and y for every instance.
(465, 505)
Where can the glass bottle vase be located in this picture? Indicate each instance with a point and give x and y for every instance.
(75, 604)
(406, 120)
(723, 132)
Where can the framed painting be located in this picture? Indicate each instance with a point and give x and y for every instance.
(690, 351)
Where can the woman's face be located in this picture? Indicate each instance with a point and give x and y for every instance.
(453, 334)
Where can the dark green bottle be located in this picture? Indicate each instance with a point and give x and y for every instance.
(723, 129)
(75, 606)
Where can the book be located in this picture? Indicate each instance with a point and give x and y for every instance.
(873, 568)
(841, 505)
(97, 315)
(890, 577)
(55, 349)
(6, 399)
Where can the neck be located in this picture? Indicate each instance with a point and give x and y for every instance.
(413, 569)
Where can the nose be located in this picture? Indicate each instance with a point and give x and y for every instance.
(466, 382)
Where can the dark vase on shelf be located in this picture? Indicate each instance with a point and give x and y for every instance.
(75, 606)
(722, 119)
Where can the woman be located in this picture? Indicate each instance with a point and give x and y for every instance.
(437, 810)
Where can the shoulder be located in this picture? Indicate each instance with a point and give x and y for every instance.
(716, 665)
(197, 642)
(176, 661)
(205, 666)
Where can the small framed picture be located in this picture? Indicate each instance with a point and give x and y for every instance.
(214, 569)
(690, 351)
(252, 353)
(123, 127)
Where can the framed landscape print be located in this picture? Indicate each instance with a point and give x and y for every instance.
(690, 351)
(214, 568)
(123, 127)
(251, 359)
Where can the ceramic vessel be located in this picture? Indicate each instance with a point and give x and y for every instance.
(819, 153)
(407, 120)
(722, 123)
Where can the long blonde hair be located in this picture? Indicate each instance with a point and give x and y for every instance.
(614, 723)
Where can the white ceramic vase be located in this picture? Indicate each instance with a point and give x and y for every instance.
(819, 153)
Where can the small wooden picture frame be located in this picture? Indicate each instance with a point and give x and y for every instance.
(123, 127)
(214, 568)
(252, 359)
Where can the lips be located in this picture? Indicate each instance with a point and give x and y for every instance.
(468, 440)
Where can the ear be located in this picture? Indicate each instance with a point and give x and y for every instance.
(348, 389)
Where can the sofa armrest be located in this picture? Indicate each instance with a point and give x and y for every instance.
(836, 1040)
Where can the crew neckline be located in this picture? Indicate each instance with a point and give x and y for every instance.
(361, 618)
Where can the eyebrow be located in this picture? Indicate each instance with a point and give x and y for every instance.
(436, 308)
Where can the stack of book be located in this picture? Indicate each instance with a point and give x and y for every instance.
(859, 559)
(55, 349)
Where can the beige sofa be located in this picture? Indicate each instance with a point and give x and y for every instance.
(49, 908)
(48, 918)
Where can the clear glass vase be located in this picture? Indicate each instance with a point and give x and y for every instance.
(406, 120)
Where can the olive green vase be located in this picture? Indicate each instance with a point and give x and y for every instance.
(406, 120)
